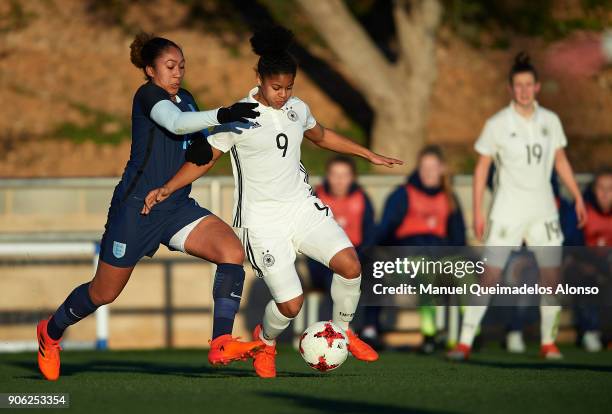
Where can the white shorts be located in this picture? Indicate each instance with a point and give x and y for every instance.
(177, 242)
(272, 249)
(543, 235)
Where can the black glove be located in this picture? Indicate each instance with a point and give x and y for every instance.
(238, 112)
(199, 152)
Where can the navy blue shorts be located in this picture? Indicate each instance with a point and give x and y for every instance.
(130, 236)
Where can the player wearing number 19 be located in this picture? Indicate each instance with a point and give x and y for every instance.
(274, 204)
(525, 141)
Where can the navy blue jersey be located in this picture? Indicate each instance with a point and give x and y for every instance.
(156, 153)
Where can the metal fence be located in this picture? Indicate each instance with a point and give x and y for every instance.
(55, 222)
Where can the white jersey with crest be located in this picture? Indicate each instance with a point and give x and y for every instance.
(524, 154)
(269, 178)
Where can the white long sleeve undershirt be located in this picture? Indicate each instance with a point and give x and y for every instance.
(167, 115)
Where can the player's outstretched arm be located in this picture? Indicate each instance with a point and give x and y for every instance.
(328, 139)
(169, 116)
(478, 188)
(187, 174)
(564, 169)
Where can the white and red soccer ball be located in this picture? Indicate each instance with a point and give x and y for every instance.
(324, 346)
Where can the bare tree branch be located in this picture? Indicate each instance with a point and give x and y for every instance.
(398, 93)
(345, 36)
(417, 23)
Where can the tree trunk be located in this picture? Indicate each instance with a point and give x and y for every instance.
(398, 131)
(398, 93)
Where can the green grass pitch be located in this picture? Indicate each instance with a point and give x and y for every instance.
(164, 381)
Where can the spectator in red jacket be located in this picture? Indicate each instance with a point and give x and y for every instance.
(423, 212)
(589, 265)
(598, 202)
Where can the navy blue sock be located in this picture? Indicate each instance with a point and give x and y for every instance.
(227, 292)
(76, 306)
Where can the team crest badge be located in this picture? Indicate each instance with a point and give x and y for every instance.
(268, 260)
(544, 131)
(119, 249)
(292, 115)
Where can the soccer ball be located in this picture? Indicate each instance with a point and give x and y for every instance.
(324, 346)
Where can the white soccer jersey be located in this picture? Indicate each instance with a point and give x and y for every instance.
(524, 154)
(269, 177)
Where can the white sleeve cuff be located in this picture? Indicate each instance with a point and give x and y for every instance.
(311, 124)
(167, 115)
(483, 149)
(218, 145)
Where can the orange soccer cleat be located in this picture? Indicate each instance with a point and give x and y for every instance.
(359, 348)
(461, 352)
(225, 349)
(550, 352)
(264, 361)
(48, 352)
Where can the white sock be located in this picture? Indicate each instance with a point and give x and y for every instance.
(549, 315)
(274, 323)
(471, 322)
(472, 316)
(345, 294)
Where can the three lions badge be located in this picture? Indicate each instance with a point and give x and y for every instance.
(119, 249)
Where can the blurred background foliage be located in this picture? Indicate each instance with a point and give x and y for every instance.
(471, 19)
(481, 24)
(502, 18)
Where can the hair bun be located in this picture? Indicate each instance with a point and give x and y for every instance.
(522, 63)
(271, 41)
(522, 59)
(136, 49)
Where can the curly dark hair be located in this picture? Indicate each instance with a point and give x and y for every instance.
(146, 47)
(272, 46)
